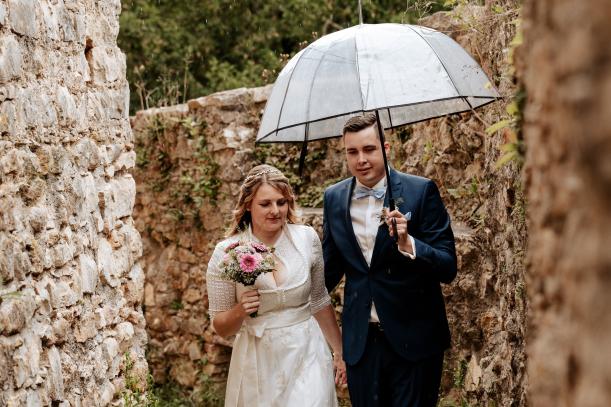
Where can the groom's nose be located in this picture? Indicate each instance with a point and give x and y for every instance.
(362, 158)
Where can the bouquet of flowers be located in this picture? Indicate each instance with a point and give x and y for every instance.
(245, 261)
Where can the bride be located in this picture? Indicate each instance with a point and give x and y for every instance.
(279, 357)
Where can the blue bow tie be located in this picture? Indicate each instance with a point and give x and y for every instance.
(361, 192)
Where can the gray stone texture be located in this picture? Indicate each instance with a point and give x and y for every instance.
(70, 283)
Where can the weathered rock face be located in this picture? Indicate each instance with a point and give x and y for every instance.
(567, 74)
(68, 245)
(482, 190)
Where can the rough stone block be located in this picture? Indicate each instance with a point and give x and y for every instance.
(124, 195)
(125, 161)
(38, 217)
(61, 295)
(22, 16)
(7, 261)
(106, 393)
(85, 328)
(55, 378)
(66, 106)
(125, 332)
(10, 114)
(10, 58)
(62, 254)
(2, 14)
(33, 398)
(26, 360)
(108, 64)
(110, 349)
(106, 263)
(89, 273)
(50, 21)
(16, 312)
(39, 111)
(86, 154)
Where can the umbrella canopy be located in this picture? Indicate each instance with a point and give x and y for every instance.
(406, 73)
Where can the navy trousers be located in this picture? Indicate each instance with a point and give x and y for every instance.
(383, 378)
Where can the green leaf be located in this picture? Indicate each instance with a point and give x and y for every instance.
(506, 158)
(513, 109)
(518, 39)
(498, 126)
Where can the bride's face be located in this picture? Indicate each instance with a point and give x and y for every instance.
(268, 210)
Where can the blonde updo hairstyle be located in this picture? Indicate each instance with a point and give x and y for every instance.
(259, 175)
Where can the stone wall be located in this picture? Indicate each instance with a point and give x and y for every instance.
(567, 73)
(481, 185)
(71, 327)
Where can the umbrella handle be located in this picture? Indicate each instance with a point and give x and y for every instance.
(391, 200)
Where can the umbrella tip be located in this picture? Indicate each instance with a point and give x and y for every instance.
(360, 13)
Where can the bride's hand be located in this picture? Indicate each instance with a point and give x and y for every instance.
(340, 369)
(250, 301)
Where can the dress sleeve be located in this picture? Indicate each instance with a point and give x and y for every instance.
(221, 293)
(320, 297)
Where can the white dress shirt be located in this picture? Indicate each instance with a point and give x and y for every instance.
(365, 214)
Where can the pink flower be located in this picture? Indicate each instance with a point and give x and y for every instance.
(249, 262)
(232, 246)
(259, 247)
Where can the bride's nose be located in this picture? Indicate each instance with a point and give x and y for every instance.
(275, 209)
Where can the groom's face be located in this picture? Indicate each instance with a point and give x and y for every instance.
(364, 155)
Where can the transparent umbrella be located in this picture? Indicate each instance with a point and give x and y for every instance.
(403, 73)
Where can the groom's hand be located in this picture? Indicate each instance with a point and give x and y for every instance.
(403, 242)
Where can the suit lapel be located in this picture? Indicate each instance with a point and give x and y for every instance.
(346, 199)
(383, 238)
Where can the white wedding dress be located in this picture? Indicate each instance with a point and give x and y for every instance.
(280, 358)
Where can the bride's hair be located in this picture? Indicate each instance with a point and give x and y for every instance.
(259, 175)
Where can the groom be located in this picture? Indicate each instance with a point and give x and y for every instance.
(394, 322)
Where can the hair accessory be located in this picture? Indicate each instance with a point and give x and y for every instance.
(260, 173)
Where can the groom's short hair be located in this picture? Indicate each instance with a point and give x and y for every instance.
(358, 123)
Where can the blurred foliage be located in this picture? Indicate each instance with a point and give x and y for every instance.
(181, 50)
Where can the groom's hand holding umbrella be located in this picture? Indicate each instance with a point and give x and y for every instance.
(404, 243)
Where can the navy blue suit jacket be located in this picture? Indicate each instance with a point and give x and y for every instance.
(406, 292)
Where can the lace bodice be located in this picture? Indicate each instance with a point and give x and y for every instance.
(299, 256)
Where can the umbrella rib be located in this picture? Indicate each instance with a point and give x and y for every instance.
(358, 71)
(287, 91)
(442, 65)
(320, 61)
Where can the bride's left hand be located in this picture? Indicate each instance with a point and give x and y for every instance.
(340, 369)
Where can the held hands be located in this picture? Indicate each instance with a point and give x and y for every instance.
(250, 302)
(339, 366)
(404, 242)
